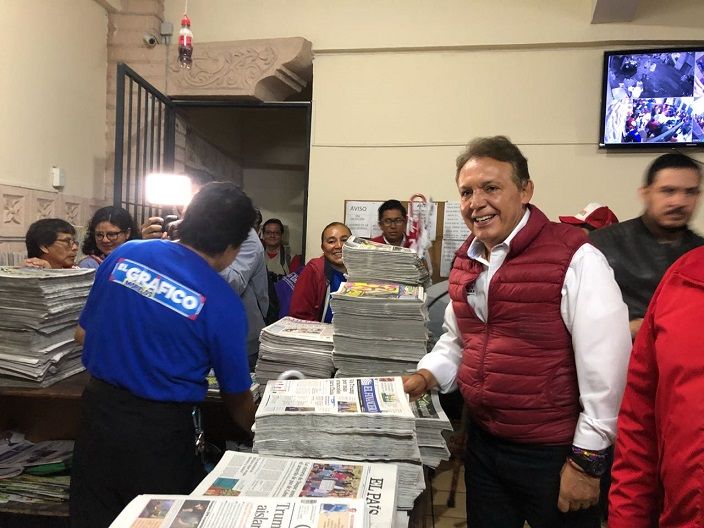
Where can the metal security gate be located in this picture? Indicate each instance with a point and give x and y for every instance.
(145, 135)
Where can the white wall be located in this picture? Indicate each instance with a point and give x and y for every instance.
(401, 85)
(53, 57)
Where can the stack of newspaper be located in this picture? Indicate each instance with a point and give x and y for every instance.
(238, 512)
(34, 489)
(251, 475)
(39, 310)
(214, 386)
(379, 328)
(365, 419)
(294, 344)
(367, 260)
(18, 454)
(431, 421)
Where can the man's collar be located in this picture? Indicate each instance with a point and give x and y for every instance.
(403, 240)
(477, 249)
(664, 236)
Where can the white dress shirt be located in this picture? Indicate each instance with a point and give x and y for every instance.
(593, 312)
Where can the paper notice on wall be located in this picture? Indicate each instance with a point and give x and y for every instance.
(362, 218)
(449, 247)
(454, 226)
(455, 232)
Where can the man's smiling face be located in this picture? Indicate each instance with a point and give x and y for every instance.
(491, 202)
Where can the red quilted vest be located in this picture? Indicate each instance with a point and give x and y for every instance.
(518, 374)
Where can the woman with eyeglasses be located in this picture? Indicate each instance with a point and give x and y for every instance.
(51, 244)
(109, 228)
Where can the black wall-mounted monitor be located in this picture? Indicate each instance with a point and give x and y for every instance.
(653, 98)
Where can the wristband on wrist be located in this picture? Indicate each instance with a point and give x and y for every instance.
(593, 463)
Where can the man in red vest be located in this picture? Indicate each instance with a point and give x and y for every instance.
(537, 340)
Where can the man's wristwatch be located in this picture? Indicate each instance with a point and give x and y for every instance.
(593, 463)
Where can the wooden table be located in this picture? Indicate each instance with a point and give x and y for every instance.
(53, 413)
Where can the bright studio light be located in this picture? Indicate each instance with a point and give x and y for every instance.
(168, 189)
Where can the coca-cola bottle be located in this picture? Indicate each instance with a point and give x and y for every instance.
(185, 43)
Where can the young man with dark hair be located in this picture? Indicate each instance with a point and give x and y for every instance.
(537, 341)
(157, 319)
(641, 249)
(392, 222)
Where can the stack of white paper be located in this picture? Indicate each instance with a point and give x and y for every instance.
(367, 260)
(365, 419)
(379, 328)
(294, 344)
(39, 310)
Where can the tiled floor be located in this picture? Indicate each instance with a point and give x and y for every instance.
(439, 511)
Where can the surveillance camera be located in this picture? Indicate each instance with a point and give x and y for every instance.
(150, 40)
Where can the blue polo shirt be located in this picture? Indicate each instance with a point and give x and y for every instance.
(158, 317)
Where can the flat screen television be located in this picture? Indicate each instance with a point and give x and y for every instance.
(653, 98)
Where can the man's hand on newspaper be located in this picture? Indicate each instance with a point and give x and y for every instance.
(418, 383)
(153, 228)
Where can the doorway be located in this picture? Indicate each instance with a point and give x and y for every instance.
(268, 149)
(262, 147)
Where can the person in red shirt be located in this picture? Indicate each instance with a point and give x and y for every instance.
(392, 222)
(321, 276)
(657, 475)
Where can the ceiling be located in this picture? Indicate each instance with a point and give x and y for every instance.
(252, 134)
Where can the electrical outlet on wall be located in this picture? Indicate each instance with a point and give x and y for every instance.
(58, 177)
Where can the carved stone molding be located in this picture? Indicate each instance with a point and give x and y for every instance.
(45, 208)
(266, 69)
(72, 212)
(22, 206)
(13, 209)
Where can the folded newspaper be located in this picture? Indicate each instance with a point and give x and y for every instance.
(251, 475)
(364, 419)
(295, 344)
(184, 511)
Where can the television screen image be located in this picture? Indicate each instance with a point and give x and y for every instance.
(653, 98)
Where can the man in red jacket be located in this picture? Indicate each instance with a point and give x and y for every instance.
(392, 222)
(537, 340)
(657, 478)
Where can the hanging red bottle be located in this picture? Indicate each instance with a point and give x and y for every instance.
(185, 43)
